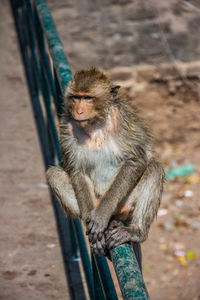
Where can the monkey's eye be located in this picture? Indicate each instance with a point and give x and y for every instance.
(75, 98)
(89, 99)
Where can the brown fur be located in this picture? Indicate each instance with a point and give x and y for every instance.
(110, 162)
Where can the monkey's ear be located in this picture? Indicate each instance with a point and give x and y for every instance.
(114, 90)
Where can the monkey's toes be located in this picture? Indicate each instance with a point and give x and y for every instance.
(117, 238)
(110, 233)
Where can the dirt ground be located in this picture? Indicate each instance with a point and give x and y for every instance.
(31, 265)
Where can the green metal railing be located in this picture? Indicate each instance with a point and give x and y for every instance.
(48, 73)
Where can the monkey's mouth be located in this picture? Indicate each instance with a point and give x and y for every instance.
(80, 121)
(88, 121)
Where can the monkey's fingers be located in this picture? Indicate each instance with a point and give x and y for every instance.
(90, 237)
(97, 235)
(89, 227)
(93, 229)
(88, 220)
(100, 236)
(94, 239)
(95, 249)
(101, 246)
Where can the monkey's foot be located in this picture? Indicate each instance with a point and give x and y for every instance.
(114, 224)
(116, 237)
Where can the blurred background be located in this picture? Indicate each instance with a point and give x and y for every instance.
(152, 49)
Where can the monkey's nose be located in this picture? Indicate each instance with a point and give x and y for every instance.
(79, 112)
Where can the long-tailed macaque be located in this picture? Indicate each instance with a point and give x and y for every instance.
(110, 178)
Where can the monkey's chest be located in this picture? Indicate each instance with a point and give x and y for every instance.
(99, 156)
(102, 168)
(101, 165)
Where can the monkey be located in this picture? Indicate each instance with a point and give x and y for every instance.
(110, 178)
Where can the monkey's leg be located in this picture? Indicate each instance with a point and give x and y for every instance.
(59, 182)
(145, 199)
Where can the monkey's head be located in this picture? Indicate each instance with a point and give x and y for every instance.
(89, 96)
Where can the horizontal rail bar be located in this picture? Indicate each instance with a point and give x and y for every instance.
(128, 273)
(55, 46)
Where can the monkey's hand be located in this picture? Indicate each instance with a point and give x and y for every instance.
(96, 225)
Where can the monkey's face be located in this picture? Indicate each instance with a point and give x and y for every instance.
(89, 97)
(83, 108)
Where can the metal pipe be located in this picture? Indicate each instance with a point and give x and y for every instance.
(128, 273)
(55, 46)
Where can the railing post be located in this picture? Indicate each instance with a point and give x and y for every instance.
(98, 291)
(87, 267)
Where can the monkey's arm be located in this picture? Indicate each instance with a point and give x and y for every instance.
(125, 181)
(84, 194)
